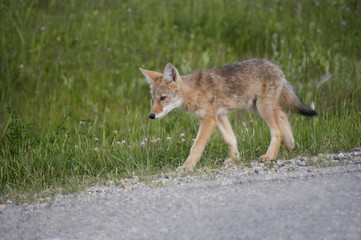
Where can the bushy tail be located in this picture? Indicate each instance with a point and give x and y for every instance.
(295, 103)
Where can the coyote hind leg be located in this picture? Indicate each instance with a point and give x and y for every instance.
(269, 113)
(286, 130)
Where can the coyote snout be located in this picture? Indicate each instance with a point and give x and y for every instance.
(257, 85)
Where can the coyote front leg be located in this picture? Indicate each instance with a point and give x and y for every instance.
(226, 130)
(205, 131)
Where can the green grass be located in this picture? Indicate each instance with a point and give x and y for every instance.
(74, 107)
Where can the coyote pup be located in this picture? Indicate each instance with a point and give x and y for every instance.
(256, 84)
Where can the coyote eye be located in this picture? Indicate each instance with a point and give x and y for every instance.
(162, 98)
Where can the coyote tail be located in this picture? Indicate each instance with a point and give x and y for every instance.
(293, 101)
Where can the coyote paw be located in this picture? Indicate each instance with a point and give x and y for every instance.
(184, 169)
(229, 162)
(265, 157)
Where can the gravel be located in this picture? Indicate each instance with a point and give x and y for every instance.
(300, 164)
(288, 199)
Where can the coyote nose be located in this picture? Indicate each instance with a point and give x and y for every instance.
(152, 116)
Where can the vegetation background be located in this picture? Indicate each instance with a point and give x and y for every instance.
(74, 107)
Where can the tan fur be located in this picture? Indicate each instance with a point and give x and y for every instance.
(257, 85)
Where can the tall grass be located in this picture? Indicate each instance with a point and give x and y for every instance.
(73, 106)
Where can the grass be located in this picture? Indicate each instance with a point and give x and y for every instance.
(73, 105)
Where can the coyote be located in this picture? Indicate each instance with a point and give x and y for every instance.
(256, 85)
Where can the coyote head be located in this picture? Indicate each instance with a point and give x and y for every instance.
(164, 89)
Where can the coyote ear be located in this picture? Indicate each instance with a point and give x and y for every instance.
(171, 73)
(150, 76)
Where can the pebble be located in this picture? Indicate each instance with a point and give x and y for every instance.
(357, 149)
(280, 163)
(301, 163)
(2, 207)
(339, 156)
(356, 153)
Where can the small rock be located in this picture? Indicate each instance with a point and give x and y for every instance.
(280, 163)
(301, 163)
(2, 207)
(136, 178)
(357, 149)
(206, 170)
(254, 163)
(339, 156)
(110, 182)
(356, 153)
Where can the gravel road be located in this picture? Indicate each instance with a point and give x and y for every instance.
(290, 200)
